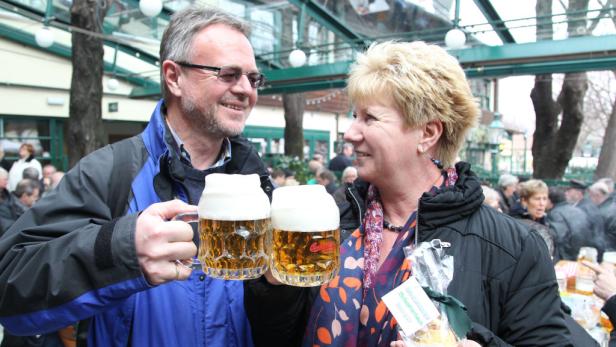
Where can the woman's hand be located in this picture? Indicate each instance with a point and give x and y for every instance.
(605, 282)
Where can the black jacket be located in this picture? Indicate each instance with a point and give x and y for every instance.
(502, 272)
(572, 229)
(607, 209)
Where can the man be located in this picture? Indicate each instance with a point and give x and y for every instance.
(4, 182)
(81, 261)
(343, 159)
(507, 186)
(327, 179)
(349, 175)
(26, 193)
(599, 193)
(570, 224)
(575, 196)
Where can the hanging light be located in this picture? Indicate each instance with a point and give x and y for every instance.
(151, 8)
(44, 37)
(455, 38)
(113, 84)
(297, 58)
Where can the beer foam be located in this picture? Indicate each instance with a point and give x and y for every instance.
(304, 208)
(233, 197)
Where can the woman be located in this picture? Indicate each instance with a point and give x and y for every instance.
(413, 107)
(534, 200)
(26, 159)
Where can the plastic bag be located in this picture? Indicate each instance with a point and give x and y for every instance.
(433, 269)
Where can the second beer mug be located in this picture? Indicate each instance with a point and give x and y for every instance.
(234, 227)
(306, 238)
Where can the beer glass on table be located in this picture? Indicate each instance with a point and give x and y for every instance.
(306, 236)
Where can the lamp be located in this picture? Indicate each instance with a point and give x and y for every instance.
(496, 129)
(44, 37)
(455, 38)
(150, 8)
(495, 133)
(113, 83)
(297, 58)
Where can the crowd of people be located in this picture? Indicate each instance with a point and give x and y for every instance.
(567, 217)
(102, 249)
(23, 184)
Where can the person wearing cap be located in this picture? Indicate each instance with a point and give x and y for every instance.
(570, 224)
(599, 193)
(507, 186)
(575, 196)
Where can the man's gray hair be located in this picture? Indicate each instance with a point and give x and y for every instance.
(176, 44)
(26, 186)
(506, 180)
(3, 173)
(608, 182)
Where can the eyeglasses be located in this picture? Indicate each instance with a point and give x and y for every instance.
(229, 74)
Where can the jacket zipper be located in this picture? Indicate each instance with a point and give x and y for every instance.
(361, 214)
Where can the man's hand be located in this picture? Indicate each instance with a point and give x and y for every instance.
(605, 282)
(160, 242)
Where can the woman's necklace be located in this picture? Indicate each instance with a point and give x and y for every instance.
(400, 228)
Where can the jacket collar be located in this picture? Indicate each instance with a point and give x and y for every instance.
(447, 206)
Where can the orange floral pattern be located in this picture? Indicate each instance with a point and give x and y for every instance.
(341, 316)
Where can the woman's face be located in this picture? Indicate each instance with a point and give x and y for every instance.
(23, 152)
(383, 143)
(536, 205)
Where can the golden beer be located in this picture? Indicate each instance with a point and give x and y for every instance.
(234, 227)
(306, 236)
(305, 259)
(234, 249)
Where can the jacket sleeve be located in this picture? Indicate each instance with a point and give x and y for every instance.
(65, 259)
(531, 313)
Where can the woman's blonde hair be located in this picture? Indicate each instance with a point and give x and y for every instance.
(424, 82)
(531, 187)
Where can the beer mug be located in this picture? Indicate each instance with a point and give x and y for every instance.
(234, 227)
(306, 236)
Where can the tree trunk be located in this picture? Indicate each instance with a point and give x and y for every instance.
(293, 104)
(553, 143)
(294, 131)
(607, 158)
(84, 128)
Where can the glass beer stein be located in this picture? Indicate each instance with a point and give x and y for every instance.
(234, 227)
(306, 236)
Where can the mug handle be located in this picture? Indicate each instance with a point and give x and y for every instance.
(190, 218)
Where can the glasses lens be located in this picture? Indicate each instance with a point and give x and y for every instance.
(256, 79)
(229, 74)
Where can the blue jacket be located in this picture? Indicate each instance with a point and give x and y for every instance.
(68, 258)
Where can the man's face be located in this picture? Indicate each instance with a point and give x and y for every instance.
(211, 105)
(29, 200)
(573, 195)
(48, 170)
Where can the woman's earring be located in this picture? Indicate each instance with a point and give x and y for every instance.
(437, 162)
(420, 149)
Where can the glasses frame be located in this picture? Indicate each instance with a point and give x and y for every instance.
(256, 85)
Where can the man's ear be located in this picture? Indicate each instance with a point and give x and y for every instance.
(171, 72)
(431, 133)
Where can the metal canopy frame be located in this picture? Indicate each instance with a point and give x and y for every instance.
(495, 20)
(480, 61)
